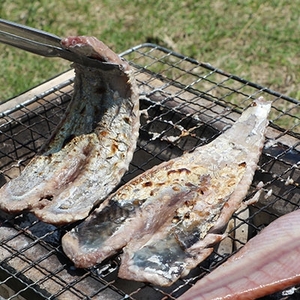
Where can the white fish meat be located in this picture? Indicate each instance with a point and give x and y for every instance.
(90, 149)
(268, 263)
(167, 219)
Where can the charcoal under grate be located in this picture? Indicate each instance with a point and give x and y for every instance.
(184, 104)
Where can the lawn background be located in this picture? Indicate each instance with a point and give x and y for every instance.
(256, 40)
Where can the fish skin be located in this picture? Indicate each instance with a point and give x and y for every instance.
(268, 263)
(221, 171)
(90, 149)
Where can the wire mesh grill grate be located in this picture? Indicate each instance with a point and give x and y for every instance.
(184, 104)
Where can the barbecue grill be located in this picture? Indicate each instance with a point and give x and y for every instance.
(184, 104)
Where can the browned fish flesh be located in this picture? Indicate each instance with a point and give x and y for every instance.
(90, 149)
(167, 219)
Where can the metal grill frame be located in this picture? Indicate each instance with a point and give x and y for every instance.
(184, 104)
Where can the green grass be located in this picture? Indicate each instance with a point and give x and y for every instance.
(257, 40)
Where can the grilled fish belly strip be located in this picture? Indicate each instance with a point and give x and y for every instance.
(90, 149)
(268, 263)
(169, 216)
(223, 173)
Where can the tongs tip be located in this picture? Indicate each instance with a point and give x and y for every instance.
(45, 44)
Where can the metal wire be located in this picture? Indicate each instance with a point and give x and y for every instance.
(184, 104)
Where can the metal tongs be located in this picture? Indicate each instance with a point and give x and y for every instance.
(43, 43)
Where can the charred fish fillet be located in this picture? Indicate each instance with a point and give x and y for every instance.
(90, 149)
(268, 263)
(167, 219)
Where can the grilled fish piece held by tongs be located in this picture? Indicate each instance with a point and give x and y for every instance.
(90, 149)
(168, 218)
